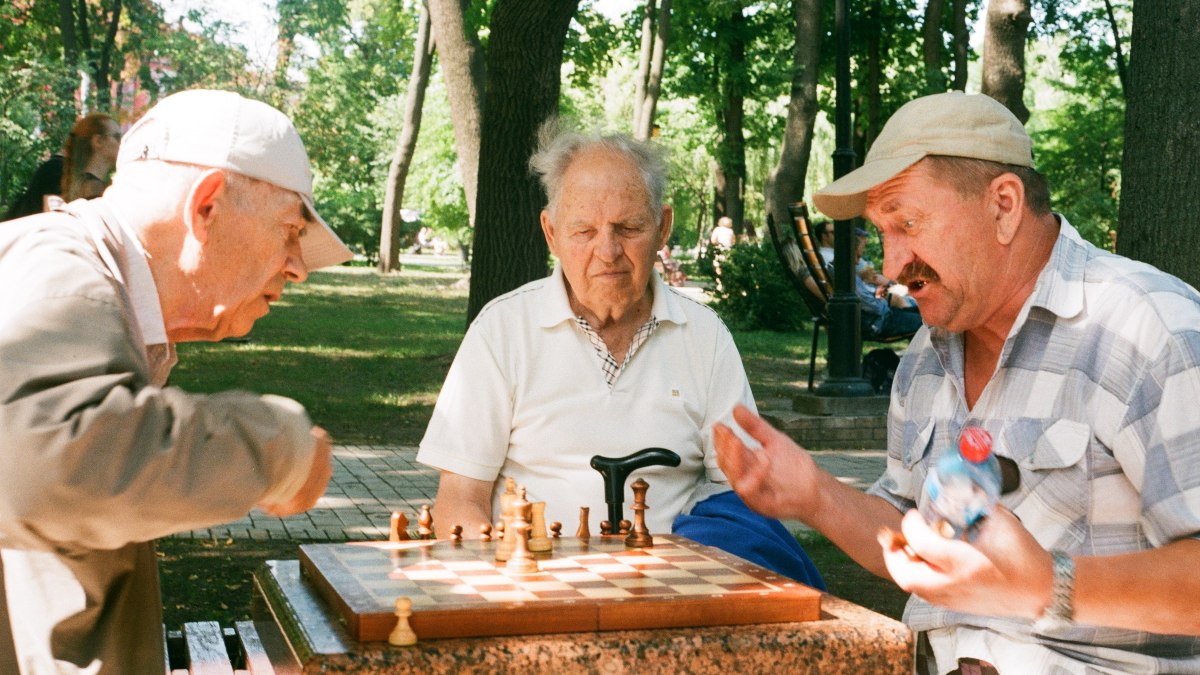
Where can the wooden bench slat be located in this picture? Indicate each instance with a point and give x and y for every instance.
(257, 660)
(206, 649)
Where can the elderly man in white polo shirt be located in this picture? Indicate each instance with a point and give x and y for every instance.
(599, 358)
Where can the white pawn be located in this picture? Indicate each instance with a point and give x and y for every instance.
(402, 635)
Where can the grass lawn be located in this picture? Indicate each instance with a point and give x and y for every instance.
(366, 354)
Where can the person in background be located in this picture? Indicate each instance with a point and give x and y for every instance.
(722, 235)
(884, 315)
(823, 232)
(209, 217)
(599, 358)
(81, 169)
(89, 156)
(1082, 365)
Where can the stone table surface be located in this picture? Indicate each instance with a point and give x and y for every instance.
(304, 636)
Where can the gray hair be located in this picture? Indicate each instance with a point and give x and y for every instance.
(970, 177)
(558, 146)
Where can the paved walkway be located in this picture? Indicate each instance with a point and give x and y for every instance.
(371, 481)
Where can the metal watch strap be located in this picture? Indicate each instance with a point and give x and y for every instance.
(1061, 611)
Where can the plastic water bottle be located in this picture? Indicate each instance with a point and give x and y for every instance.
(962, 486)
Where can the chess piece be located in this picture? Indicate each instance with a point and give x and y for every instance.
(456, 534)
(538, 541)
(623, 526)
(556, 529)
(485, 532)
(402, 635)
(521, 561)
(639, 536)
(504, 544)
(583, 532)
(605, 528)
(425, 523)
(398, 529)
(508, 496)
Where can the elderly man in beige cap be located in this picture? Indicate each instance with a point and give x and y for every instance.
(209, 216)
(1083, 366)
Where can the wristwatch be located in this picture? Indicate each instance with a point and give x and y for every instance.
(1061, 612)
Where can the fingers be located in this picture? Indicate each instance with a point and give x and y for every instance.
(758, 428)
(731, 452)
(319, 472)
(910, 556)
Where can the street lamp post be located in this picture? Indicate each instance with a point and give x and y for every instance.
(843, 372)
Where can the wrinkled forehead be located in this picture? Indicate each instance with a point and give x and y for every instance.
(893, 194)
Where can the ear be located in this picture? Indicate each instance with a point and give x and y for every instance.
(203, 200)
(548, 230)
(665, 225)
(1007, 196)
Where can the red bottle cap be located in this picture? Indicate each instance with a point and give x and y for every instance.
(975, 445)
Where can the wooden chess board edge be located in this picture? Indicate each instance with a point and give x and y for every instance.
(348, 610)
(364, 621)
(485, 622)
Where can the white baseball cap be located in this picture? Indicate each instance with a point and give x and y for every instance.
(951, 124)
(223, 130)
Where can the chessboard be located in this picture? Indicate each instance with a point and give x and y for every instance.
(459, 590)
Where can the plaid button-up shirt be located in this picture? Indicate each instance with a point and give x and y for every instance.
(1096, 396)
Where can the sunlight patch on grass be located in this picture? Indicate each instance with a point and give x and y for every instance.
(402, 398)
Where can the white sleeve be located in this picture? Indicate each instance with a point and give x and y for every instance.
(727, 388)
(469, 431)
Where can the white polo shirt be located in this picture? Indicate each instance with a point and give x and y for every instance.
(526, 398)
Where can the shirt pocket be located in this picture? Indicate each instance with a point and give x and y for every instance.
(1052, 501)
(917, 443)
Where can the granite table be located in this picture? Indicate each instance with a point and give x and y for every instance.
(303, 635)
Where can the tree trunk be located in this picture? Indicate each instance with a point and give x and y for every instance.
(932, 46)
(1160, 174)
(104, 66)
(662, 34)
(644, 56)
(393, 201)
(285, 41)
(785, 184)
(524, 75)
(876, 52)
(82, 26)
(718, 191)
(66, 20)
(1004, 54)
(733, 142)
(960, 42)
(460, 58)
(1119, 55)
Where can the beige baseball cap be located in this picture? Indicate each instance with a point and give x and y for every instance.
(953, 124)
(223, 130)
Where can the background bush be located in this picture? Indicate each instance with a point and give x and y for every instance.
(755, 293)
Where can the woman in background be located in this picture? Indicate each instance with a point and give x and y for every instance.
(90, 151)
(89, 156)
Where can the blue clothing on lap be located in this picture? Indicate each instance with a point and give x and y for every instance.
(725, 522)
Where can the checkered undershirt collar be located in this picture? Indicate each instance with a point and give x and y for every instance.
(607, 363)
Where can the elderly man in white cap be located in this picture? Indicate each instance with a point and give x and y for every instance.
(209, 216)
(1083, 366)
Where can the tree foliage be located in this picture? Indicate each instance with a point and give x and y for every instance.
(1078, 141)
(341, 67)
(339, 118)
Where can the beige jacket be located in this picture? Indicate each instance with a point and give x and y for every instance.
(97, 459)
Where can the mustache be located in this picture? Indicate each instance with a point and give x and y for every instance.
(916, 271)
